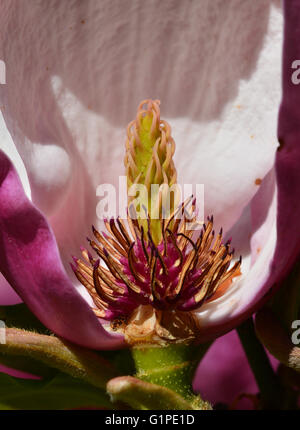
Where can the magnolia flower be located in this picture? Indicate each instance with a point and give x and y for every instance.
(79, 86)
(157, 270)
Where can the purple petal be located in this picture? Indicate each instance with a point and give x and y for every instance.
(286, 167)
(30, 262)
(224, 373)
(17, 373)
(288, 158)
(7, 295)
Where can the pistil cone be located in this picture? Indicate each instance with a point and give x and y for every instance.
(149, 165)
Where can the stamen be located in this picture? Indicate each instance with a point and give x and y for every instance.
(189, 240)
(123, 231)
(118, 235)
(122, 276)
(158, 255)
(101, 292)
(152, 277)
(173, 239)
(179, 274)
(131, 262)
(143, 245)
(113, 246)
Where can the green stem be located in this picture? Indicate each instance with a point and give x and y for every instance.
(59, 354)
(171, 366)
(267, 381)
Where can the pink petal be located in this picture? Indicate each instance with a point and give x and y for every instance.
(224, 373)
(237, 302)
(17, 373)
(275, 240)
(7, 295)
(30, 262)
(288, 158)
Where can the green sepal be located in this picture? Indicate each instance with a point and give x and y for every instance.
(143, 395)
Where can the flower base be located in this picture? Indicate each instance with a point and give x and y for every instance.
(172, 367)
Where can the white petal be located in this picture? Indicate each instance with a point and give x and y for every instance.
(77, 74)
(244, 291)
(215, 66)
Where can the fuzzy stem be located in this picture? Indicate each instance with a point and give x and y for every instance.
(171, 366)
(59, 354)
(267, 381)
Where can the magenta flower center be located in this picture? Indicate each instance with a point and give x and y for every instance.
(179, 274)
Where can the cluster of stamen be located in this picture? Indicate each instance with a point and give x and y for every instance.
(134, 280)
